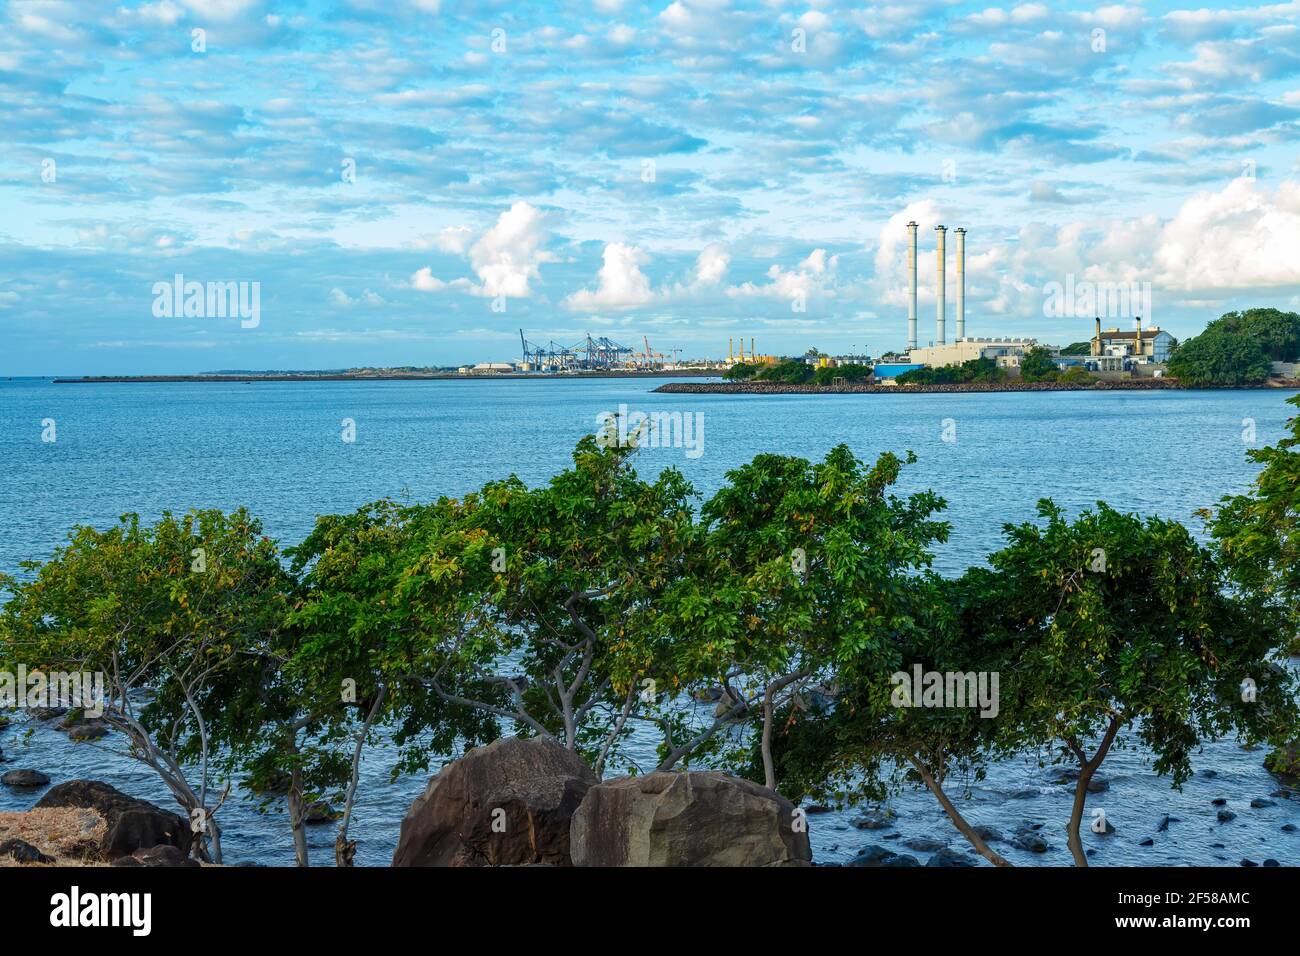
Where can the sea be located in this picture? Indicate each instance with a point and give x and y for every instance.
(77, 453)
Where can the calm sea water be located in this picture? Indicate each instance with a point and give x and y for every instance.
(277, 449)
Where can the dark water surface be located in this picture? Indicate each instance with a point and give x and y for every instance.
(276, 448)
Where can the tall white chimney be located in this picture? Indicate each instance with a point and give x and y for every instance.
(961, 283)
(911, 286)
(940, 254)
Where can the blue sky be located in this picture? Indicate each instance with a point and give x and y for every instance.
(689, 171)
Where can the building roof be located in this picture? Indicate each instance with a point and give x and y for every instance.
(1116, 334)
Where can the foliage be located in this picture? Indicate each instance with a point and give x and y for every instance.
(1277, 332)
(791, 372)
(741, 371)
(1220, 357)
(1037, 365)
(850, 374)
(1076, 375)
(974, 370)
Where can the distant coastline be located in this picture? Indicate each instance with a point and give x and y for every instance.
(782, 388)
(380, 376)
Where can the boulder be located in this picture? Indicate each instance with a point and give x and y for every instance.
(507, 804)
(878, 856)
(23, 852)
(319, 812)
(947, 857)
(24, 779)
(675, 818)
(162, 855)
(1226, 816)
(131, 824)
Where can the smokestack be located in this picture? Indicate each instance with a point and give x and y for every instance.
(911, 286)
(1138, 340)
(751, 350)
(940, 254)
(961, 284)
(731, 351)
(1096, 342)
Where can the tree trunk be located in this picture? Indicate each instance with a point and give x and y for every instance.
(975, 840)
(344, 851)
(296, 815)
(1086, 771)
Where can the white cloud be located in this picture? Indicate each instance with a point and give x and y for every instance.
(813, 274)
(620, 283)
(509, 253)
(712, 264)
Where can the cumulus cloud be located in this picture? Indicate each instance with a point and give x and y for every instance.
(813, 274)
(620, 283)
(509, 254)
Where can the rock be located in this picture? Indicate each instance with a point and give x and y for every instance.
(816, 808)
(320, 812)
(23, 852)
(131, 824)
(46, 713)
(24, 779)
(1220, 801)
(88, 730)
(162, 855)
(1271, 862)
(1289, 828)
(876, 856)
(1284, 762)
(509, 803)
(892, 836)
(1023, 795)
(925, 845)
(1259, 803)
(874, 821)
(1284, 794)
(1209, 773)
(946, 857)
(693, 818)
(1147, 842)
(1249, 863)
(2, 756)
(1226, 816)
(1026, 838)
(988, 834)
(1165, 821)
(1097, 784)
(1107, 829)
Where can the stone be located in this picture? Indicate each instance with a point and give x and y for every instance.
(1165, 821)
(988, 834)
(507, 804)
(874, 821)
(24, 779)
(1147, 842)
(946, 857)
(161, 855)
(1226, 816)
(23, 852)
(319, 812)
(1259, 803)
(88, 730)
(131, 824)
(925, 844)
(1220, 801)
(1271, 862)
(1027, 838)
(46, 713)
(1289, 828)
(696, 818)
(878, 856)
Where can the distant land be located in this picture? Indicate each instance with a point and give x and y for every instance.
(807, 388)
(380, 375)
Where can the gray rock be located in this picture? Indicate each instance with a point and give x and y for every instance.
(946, 857)
(1165, 821)
(925, 844)
(1220, 801)
(1271, 862)
(988, 834)
(881, 820)
(25, 779)
(131, 824)
(878, 856)
(1289, 828)
(1226, 816)
(1027, 838)
(507, 804)
(1259, 803)
(164, 855)
(23, 852)
(686, 819)
(1147, 842)
(1249, 863)
(319, 812)
(88, 730)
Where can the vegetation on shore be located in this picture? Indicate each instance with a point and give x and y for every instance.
(602, 601)
(1237, 348)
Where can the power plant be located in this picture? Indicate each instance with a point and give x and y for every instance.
(940, 285)
(911, 285)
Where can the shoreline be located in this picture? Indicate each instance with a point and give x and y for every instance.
(782, 388)
(387, 377)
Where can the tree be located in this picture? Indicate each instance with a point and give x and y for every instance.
(800, 569)
(541, 596)
(1076, 375)
(166, 612)
(740, 372)
(1259, 534)
(1125, 627)
(850, 373)
(1218, 357)
(1037, 365)
(791, 372)
(1277, 332)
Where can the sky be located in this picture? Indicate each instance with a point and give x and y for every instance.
(411, 182)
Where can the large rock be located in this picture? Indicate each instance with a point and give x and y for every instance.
(24, 779)
(686, 819)
(506, 804)
(131, 824)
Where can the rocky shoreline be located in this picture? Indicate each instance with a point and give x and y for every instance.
(781, 388)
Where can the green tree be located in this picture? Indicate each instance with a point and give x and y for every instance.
(165, 612)
(792, 372)
(1037, 365)
(741, 371)
(1277, 332)
(800, 569)
(1218, 357)
(1126, 627)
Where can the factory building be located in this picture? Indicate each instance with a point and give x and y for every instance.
(1005, 352)
(1141, 345)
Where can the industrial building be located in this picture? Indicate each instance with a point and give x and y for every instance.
(1005, 352)
(1141, 345)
